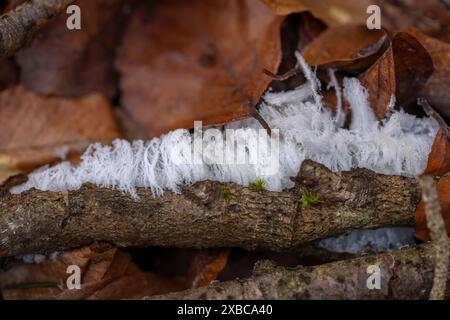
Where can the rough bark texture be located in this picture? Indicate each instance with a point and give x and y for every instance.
(201, 216)
(18, 26)
(405, 274)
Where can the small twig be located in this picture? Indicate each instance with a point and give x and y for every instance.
(345, 279)
(281, 77)
(19, 26)
(201, 217)
(255, 114)
(438, 234)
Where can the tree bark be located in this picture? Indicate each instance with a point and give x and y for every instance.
(20, 25)
(404, 274)
(207, 214)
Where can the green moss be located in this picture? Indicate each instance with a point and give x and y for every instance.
(258, 185)
(226, 194)
(364, 217)
(309, 199)
(351, 218)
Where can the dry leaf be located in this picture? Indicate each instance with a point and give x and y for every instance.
(205, 266)
(75, 62)
(107, 273)
(400, 73)
(297, 31)
(439, 157)
(198, 60)
(413, 67)
(437, 90)
(443, 189)
(360, 51)
(35, 129)
(379, 80)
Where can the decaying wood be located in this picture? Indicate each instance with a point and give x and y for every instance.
(404, 274)
(201, 216)
(19, 26)
(436, 224)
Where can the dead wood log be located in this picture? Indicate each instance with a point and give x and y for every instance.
(207, 214)
(21, 24)
(404, 274)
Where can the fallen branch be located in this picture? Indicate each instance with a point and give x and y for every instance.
(404, 274)
(20, 25)
(207, 214)
(438, 234)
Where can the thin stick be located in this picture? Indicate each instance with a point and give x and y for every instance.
(19, 26)
(281, 77)
(438, 234)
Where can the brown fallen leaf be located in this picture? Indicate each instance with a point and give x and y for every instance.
(72, 63)
(439, 157)
(443, 189)
(198, 60)
(400, 73)
(436, 91)
(35, 130)
(205, 266)
(361, 50)
(413, 68)
(107, 273)
(297, 31)
(380, 80)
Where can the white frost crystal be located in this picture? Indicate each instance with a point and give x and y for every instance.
(382, 239)
(399, 145)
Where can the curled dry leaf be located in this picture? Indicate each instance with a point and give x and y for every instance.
(443, 190)
(436, 91)
(73, 63)
(197, 60)
(379, 80)
(297, 31)
(361, 50)
(400, 73)
(439, 157)
(35, 130)
(413, 67)
(205, 266)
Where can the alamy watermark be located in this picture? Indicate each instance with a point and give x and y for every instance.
(374, 20)
(73, 282)
(73, 22)
(242, 146)
(374, 279)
